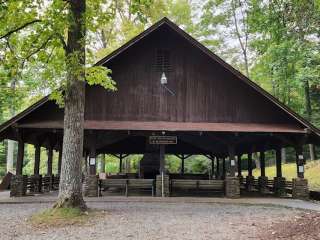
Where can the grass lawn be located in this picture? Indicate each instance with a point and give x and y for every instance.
(289, 171)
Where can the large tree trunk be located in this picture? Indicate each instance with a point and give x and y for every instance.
(11, 144)
(309, 114)
(70, 193)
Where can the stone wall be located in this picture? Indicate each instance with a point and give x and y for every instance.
(159, 186)
(249, 183)
(37, 183)
(262, 185)
(232, 187)
(18, 186)
(279, 186)
(300, 189)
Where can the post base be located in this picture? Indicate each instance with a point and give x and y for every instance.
(18, 186)
(300, 189)
(279, 187)
(263, 185)
(249, 183)
(37, 183)
(232, 187)
(90, 186)
(166, 189)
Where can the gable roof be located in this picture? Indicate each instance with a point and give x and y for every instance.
(195, 43)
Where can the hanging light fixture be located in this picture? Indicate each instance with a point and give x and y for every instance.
(163, 79)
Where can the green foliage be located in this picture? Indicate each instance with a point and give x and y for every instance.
(97, 76)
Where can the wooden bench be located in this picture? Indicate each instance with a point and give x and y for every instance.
(143, 184)
(126, 184)
(112, 183)
(198, 185)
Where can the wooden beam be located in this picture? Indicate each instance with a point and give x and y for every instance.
(20, 156)
(218, 168)
(37, 153)
(49, 163)
(300, 161)
(162, 159)
(239, 166)
(182, 164)
(232, 160)
(250, 164)
(60, 159)
(262, 164)
(278, 162)
(223, 167)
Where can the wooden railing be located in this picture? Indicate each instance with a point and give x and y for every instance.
(42, 183)
(270, 184)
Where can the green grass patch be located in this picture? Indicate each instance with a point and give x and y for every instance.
(289, 171)
(59, 217)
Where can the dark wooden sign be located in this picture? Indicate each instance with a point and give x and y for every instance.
(163, 140)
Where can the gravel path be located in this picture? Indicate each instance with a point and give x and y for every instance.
(150, 221)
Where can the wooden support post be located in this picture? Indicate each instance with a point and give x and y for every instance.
(49, 163)
(218, 168)
(223, 167)
(239, 166)
(249, 178)
(300, 161)
(92, 161)
(182, 164)
(250, 164)
(278, 162)
(232, 184)
(37, 152)
(212, 167)
(120, 162)
(103, 163)
(263, 180)
(262, 164)
(162, 159)
(232, 161)
(300, 189)
(60, 160)
(20, 156)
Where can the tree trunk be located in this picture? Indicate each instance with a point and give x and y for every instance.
(70, 193)
(312, 152)
(10, 151)
(11, 144)
(309, 114)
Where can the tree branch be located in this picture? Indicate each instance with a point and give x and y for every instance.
(63, 42)
(19, 28)
(42, 46)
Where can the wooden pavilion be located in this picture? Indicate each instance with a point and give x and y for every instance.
(174, 97)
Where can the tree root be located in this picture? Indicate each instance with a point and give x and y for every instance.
(71, 202)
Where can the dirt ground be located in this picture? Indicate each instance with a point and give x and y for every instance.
(304, 226)
(164, 220)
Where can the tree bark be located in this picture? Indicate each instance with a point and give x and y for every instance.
(70, 193)
(11, 144)
(309, 114)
